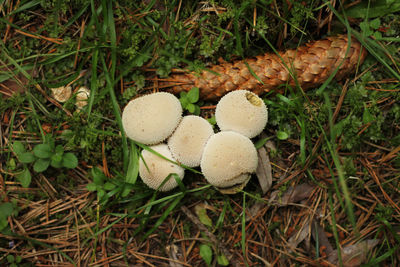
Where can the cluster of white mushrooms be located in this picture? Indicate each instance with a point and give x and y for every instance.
(227, 158)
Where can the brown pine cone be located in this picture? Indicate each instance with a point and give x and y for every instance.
(311, 65)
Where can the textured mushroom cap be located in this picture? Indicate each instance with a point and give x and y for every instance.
(152, 118)
(62, 94)
(228, 159)
(188, 141)
(82, 96)
(158, 168)
(243, 112)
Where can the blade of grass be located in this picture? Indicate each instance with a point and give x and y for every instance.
(28, 94)
(161, 156)
(112, 34)
(25, 6)
(93, 81)
(334, 229)
(133, 167)
(341, 175)
(77, 15)
(157, 201)
(368, 43)
(162, 218)
(37, 242)
(117, 113)
(335, 184)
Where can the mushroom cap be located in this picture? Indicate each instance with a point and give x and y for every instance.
(188, 141)
(152, 118)
(241, 111)
(62, 94)
(158, 168)
(228, 159)
(82, 96)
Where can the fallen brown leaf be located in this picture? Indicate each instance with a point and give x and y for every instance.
(354, 255)
(292, 195)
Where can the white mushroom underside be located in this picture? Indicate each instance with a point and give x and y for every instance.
(243, 112)
(152, 118)
(158, 168)
(188, 141)
(228, 159)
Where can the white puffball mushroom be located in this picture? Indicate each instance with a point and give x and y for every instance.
(62, 94)
(82, 96)
(150, 119)
(188, 141)
(228, 159)
(241, 111)
(156, 169)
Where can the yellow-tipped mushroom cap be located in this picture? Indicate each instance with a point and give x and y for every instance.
(241, 111)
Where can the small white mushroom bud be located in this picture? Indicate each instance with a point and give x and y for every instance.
(62, 94)
(154, 169)
(152, 118)
(228, 159)
(241, 111)
(188, 141)
(82, 96)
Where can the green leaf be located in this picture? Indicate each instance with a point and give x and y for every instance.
(98, 176)
(24, 178)
(193, 95)
(222, 260)
(49, 140)
(69, 160)
(191, 108)
(182, 94)
(11, 164)
(184, 101)
(91, 187)
(100, 193)
(261, 142)
(374, 9)
(197, 110)
(375, 23)
(41, 165)
(201, 212)
(42, 151)
(59, 149)
(367, 116)
(57, 158)
(365, 28)
(206, 253)
(18, 148)
(212, 120)
(26, 157)
(10, 258)
(18, 259)
(6, 209)
(126, 191)
(281, 135)
(3, 223)
(55, 163)
(377, 35)
(109, 186)
(133, 167)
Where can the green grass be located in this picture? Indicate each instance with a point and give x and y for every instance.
(117, 49)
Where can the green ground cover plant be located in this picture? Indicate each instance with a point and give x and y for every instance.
(70, 192)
